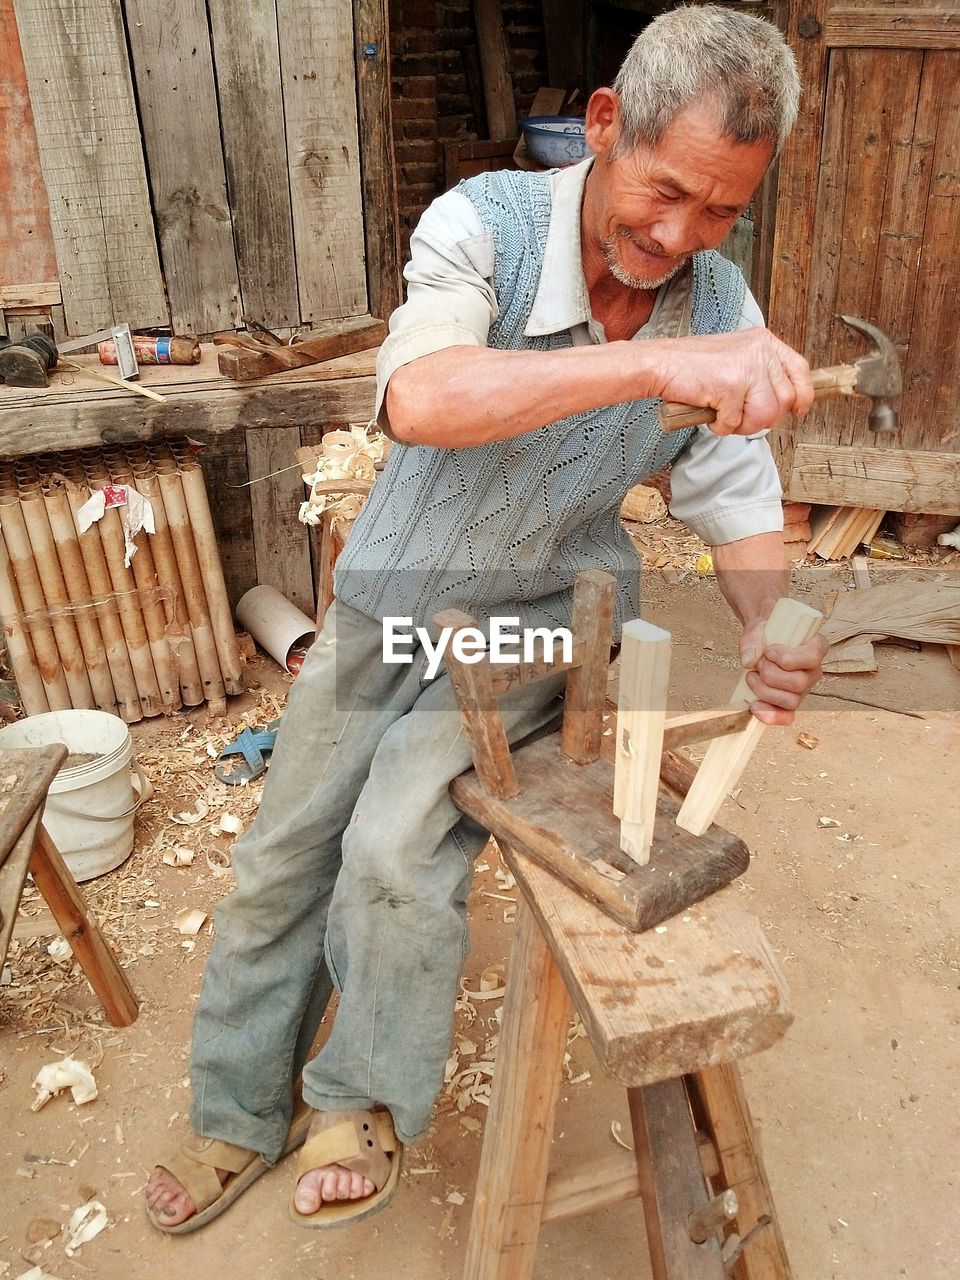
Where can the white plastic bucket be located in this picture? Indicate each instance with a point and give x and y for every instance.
(90, 807)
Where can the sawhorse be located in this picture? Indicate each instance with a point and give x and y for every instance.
(25, 777)
(668, 1013)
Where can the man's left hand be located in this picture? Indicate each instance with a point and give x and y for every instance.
(779, 676)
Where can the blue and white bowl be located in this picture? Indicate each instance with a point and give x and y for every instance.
(555, 141)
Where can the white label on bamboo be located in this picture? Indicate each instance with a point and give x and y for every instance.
(641, 712)
(790, 623)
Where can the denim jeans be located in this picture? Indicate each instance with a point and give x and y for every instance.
(355, 872)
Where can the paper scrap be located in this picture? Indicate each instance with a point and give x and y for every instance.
(60, 949)
(68, 1073)
(136, 514)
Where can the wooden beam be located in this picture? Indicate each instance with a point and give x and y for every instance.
(718, 1093)
(377, 160)
(790, 623)
(473, 685)
(594, 601)
(642, 711)
(893, 26)
(46, 294)
(102, 969)
(280, 541)
(519, 1133)
(884, 479)
(700, 726)
(495, 62)
(671, 1183)
(82, 416)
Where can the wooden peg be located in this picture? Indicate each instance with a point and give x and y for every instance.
(790, 623)
(642, 711)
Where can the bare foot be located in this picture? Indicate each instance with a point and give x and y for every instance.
(330, 1182)
(168, 1199)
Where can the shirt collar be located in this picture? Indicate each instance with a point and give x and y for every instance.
(562, 302)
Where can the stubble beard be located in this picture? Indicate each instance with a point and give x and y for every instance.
(622, 276)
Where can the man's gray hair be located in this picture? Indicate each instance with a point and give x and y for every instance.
(737, 63)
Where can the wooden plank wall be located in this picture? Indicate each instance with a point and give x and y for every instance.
(92, 159)
(319, 95)
(247, 52)
(246, 187)
(26, 239)
(173, 68)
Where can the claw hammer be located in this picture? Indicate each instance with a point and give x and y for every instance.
(876, 375)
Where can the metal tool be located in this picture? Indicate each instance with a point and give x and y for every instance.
(119, 334)
(876, 375)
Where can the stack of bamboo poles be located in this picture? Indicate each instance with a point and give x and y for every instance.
(85, 631)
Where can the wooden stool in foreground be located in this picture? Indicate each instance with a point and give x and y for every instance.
(25, 776)
(668, 1011)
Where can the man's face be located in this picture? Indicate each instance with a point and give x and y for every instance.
(650, 209)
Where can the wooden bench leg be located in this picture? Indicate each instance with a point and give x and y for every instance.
(58, 887)
(717, 1095)
(671, 1182)
(516, 1146)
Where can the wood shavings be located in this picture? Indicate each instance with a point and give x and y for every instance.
(68, 1073)
(491, 985)
(178, 856)
(616, 1130)
(189, 818)
(35, 1273)
(808, 740)
(85, 1223)
(231, 824)
(60, 950)
(190, 920)
(350, 456)
(455, 1197)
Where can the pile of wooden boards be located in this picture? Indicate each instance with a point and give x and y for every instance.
(837, 532)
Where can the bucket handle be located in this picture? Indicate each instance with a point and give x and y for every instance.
(144, 789)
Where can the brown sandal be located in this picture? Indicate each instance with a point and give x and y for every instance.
(195, 1165)
(364, 1142)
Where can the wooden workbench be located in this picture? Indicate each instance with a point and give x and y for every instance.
(251, 430)
(76, 411)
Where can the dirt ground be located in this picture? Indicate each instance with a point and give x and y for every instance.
(855, 1107)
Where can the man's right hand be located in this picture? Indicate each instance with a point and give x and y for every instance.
(751, 379)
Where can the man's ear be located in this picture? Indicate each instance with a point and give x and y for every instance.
(602, 121)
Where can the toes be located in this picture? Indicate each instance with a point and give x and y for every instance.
(329, 1185)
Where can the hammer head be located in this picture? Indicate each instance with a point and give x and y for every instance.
(878, 376)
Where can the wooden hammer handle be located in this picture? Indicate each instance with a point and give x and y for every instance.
(837, 380)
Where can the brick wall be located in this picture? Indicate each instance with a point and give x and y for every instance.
(437, 91)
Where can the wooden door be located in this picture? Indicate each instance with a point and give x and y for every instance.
(868, 223)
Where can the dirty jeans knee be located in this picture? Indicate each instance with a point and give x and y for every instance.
(396, 939)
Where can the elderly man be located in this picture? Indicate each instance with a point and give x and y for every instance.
(547, 314)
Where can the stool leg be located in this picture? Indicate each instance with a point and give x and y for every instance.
(519, 1132)
(59, 889)
(671, 1182)
(717, 1092)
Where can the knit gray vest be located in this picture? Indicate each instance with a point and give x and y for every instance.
(503, 529)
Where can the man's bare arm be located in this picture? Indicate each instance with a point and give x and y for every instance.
(463, 396)
(753, 574)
